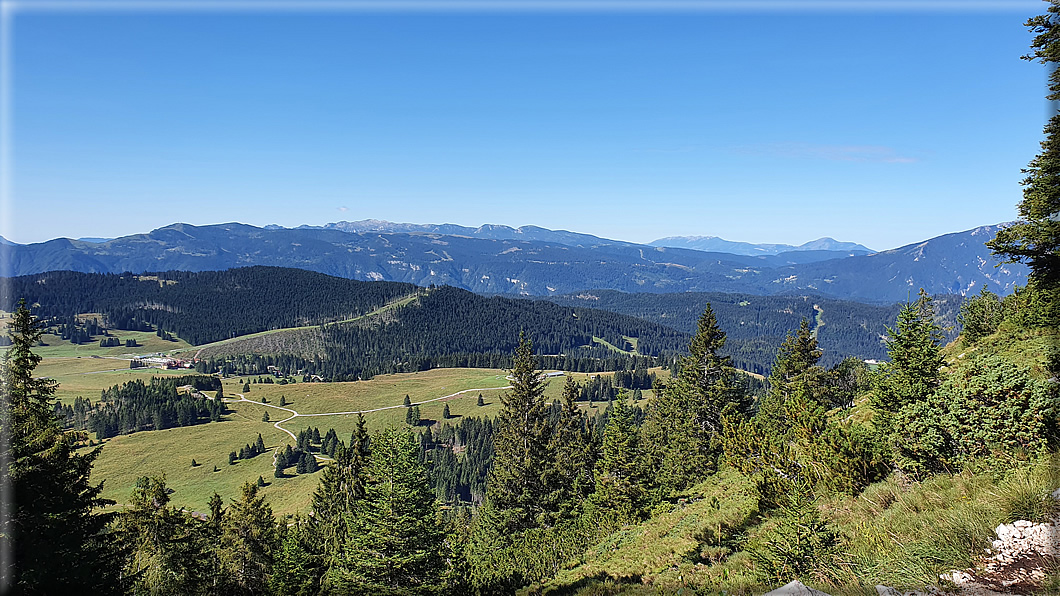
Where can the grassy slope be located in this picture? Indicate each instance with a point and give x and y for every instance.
(906, 535)
(897, 533)
(892, 534)
(86, 377)
(170, 451)
(253, 343)
(149, 344)
(674, 548)
(124, 459)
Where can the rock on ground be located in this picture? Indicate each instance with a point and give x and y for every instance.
(795, 588)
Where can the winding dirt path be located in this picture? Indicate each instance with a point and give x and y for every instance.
(294, 414)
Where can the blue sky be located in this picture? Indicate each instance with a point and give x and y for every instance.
(883, 127)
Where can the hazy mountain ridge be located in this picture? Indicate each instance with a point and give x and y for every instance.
(716, 244)
(487, 231)
(954, 263)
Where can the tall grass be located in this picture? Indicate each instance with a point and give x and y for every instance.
(907, 536)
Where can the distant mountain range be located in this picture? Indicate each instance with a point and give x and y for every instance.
(487, 231)
(715, 244)
(501, 232)
(535, 261)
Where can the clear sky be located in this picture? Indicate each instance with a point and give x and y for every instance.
(880, 126)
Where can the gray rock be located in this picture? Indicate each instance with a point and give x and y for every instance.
(795, 588)
(887, 591)
(1056, 494)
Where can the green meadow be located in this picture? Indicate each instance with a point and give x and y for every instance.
(126, 458)
(86, 377)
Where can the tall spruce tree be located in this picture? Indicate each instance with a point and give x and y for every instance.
(683, 423)
(248, 542)
(521, 492)
(394, 540)
(341, 488)
(795, 370)
(173, 553)
(1035, 238)
(522, 479)
(51, 537)
(572, 444)
(622, 487)
(913, 373)
(296, 570)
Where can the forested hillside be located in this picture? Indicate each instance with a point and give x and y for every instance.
(206, 306)
(442, 327)
(756, 325)
(448, 327)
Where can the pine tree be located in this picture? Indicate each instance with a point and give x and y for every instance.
(394, 539)
(446, 415)
(906, 415)
(172, 552)
(246, 387)
(265, 416)
(683, 424)
(480, 402)
(283, 401)
(913, 346)
(574, 454)
(359, 457)
(408, 401)
(296, 571)
(621, 472)
(412, 416)
(1035, 238)
(216, 515)
(248, 542)
(341, 487)
(48, 529)
(522, 479)
(795, 368)
(980, 315)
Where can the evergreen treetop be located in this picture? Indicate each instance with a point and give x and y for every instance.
(521, 483)
(1035, 238)
(683, 423)
(914, 370)
(47, 521)
(249, 541)
(394, 538)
